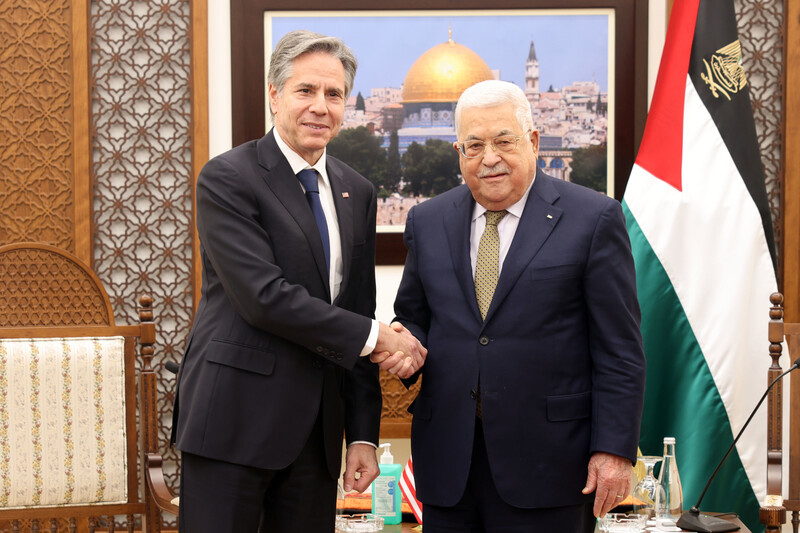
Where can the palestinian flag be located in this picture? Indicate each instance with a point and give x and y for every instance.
(699, 223)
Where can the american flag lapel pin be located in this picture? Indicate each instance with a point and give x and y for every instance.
(345, 195)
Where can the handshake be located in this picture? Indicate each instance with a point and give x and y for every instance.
(398, 351)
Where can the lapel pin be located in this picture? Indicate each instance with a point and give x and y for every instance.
(345, 195)
(549, 216)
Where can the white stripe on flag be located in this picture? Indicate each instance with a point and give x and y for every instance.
(409, 490)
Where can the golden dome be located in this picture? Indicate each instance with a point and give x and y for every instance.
(442, 73)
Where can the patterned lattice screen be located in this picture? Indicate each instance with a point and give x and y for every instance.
(141, 166)
(36, 121)
(761, 35)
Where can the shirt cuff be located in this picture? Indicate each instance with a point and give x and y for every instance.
(363, 442)
(372, 340)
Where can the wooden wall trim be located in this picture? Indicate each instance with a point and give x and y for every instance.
(200, 148)
(790, 195)
(81, 144)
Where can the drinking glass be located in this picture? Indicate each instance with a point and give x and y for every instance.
(644, 494)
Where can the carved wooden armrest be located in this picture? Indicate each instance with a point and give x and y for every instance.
(162, 496)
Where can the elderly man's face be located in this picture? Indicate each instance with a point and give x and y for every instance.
(497, 179)
(309, 109)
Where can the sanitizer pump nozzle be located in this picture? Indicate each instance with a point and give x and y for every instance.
(386, 457)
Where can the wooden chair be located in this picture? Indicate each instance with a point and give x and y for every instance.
(72, 455)
(773, 511)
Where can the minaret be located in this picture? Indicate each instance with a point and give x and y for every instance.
(532, 77)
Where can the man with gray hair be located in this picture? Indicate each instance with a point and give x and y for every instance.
(522, 287)
(274, 370)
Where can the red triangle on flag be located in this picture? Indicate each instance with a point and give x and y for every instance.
(661, 151)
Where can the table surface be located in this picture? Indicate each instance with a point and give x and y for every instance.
(407, 527)
(404, 528)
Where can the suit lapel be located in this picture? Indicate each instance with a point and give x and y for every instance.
(284, 185)
(539, 218)
(344, 212)
(457, 228)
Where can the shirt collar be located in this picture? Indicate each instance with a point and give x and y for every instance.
(295, 161)
(515, 209)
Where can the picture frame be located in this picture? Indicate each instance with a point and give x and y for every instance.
(630, 57)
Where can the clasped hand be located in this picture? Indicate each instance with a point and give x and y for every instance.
(398, 351)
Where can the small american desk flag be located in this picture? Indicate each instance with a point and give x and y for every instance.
(409, 489)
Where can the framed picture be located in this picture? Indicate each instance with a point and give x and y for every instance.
(575, 59)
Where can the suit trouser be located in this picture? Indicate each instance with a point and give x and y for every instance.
(483, 510)
(221, 497)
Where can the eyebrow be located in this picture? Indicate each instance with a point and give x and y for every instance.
(499, 134)
(306, 85)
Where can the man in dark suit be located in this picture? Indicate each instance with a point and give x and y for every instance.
(274, 369)
(522, 288)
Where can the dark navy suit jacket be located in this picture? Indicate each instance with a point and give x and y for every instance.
(267, 349)
(559, 356)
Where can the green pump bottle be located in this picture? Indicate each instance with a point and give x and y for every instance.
(386, 498)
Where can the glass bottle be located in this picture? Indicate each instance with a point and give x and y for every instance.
(669, 494)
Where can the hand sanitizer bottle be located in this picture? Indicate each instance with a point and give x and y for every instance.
(386, 489)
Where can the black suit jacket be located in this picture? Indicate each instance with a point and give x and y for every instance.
(559, 357)
(267, 348)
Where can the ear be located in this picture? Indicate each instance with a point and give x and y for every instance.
(535, 142)
(455, 146)
(273, 97)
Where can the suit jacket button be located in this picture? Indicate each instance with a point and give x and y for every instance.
(473, 394)
(339, 356)
(320, 349)
(484, 340)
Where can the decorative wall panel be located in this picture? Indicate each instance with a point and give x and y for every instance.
(36, 121)
(761, 36)
(395, 418)
(141, 166)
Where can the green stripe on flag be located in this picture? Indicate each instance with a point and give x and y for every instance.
(681, 399)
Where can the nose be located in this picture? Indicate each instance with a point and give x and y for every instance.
(490, 156)
(318, 104)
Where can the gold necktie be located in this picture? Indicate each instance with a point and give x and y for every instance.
(486, 268)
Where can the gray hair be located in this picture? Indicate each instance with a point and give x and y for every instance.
(299, 42)
(491, 93)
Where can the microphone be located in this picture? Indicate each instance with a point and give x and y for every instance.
(692, 520)
(172, 366)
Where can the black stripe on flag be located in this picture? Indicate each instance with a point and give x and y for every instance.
(717, 75)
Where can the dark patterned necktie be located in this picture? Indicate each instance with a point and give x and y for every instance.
(308, 178)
